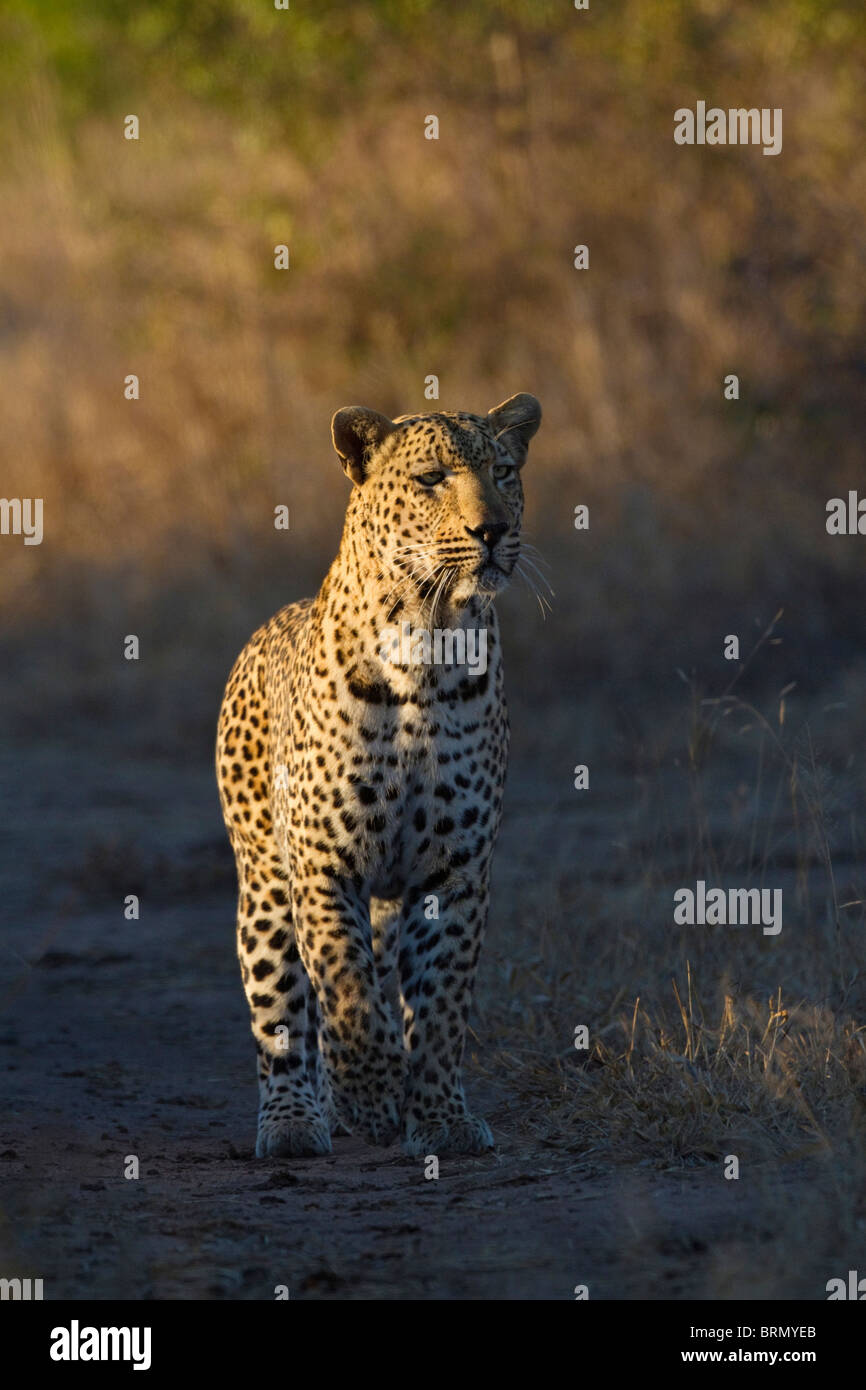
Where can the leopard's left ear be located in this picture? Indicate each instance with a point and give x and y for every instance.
(515, 422)
(357, 434)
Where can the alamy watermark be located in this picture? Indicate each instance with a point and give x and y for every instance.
(846, 516)
(22, 516)
(737, 126)
(20, 1290)
(77, 1343)
(442, 646)
(851, 1288)
(738, 907)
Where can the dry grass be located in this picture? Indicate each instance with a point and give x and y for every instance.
(668, 1086)
(704, 1041)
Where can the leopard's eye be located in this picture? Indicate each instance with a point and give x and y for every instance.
(501, 471)
(429, 479)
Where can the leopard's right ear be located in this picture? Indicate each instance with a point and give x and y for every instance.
(515, 422)
(357, 434)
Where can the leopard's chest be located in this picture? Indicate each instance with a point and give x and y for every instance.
(388, 764)
(399, 781)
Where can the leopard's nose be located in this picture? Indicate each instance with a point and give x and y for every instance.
(488, 532)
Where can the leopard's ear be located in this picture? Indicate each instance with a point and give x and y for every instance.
(357, 434)
(515, 422)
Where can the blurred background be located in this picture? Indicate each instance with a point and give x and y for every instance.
(454, 257)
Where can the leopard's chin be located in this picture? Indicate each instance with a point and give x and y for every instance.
(483, 583)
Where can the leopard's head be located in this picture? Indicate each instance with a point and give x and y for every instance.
(438, 498)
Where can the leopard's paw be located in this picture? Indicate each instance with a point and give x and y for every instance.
(373, 1114)
(282, 1137)
(463, 1134)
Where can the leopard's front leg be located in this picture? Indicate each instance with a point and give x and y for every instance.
(360, 1040)
(442, 931)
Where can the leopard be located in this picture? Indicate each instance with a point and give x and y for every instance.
(361, 782)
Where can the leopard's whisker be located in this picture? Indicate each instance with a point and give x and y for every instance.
(445, 576)
(542, 578)
(540, 599)
(535, 553)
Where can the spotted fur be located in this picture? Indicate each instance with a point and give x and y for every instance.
(362, 797)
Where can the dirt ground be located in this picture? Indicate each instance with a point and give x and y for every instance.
(131, 1038)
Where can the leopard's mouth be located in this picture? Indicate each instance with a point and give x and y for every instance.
(496, 567)
(455, 584)
(489, 576)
